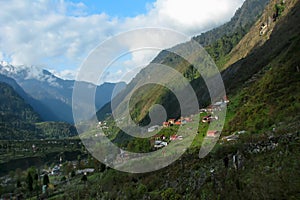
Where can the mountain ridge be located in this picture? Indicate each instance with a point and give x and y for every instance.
(55, 94)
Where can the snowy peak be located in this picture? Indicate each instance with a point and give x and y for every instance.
(23, 72)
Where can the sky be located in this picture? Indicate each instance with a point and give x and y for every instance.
(58, 35)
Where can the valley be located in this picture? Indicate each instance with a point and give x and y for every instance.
(254, 153)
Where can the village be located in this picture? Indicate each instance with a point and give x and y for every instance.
(209, 117)
(165, 133)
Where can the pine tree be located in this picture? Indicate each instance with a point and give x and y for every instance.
(46, 180)
(29, 182)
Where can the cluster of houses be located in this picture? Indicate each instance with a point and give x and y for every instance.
(162, 141)
(102, 124)
(57, 169)
(217, 106)
(179, 122)
(171, 122)
(210, 117)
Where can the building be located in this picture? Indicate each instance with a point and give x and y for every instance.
(212, 133)
(153, 128)
(166, 124)
(178, 123)
(172, 121)
(160, 144)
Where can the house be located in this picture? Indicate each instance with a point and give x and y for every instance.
(55, 170)
(166, 124)
(207, 119)
(173, 137)
(153, 128)
(263, 29)
(176, 137)
(241, 132)
(203, 110)
(178, 123)
(172, 121)
(85, 171)
(225, 99)
(212, 133)
(160, 144)
(230, 137)
(188, 119)
(34, 148)
(211, 108)
(217, 104)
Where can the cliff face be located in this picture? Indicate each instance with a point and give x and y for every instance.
(261, 30)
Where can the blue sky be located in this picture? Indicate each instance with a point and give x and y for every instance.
(119, 8)
(59, 34)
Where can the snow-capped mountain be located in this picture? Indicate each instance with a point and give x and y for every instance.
(53, 92)
(23, 72)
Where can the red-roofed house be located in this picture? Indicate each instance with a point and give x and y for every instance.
(166, 124)
(178, 123)
(173, 137)
(171, 121)
(225, 99)
(212, 133)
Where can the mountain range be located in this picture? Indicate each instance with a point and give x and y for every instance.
(50, 96)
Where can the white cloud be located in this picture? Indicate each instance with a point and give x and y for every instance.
(60, 34)
(187, 16)
(65, 74)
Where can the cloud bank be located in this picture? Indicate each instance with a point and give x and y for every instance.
(60, 34)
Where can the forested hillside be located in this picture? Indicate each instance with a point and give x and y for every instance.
(17, 118)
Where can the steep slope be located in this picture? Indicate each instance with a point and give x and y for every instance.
(17, 118)
(53, 93)
(140, 104)
(284, 34)
(260, 32)
(270, 98)
(43, 110)
(242, 19)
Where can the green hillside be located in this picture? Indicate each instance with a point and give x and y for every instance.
(17, 118)
(272, 96)
(56, 130)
